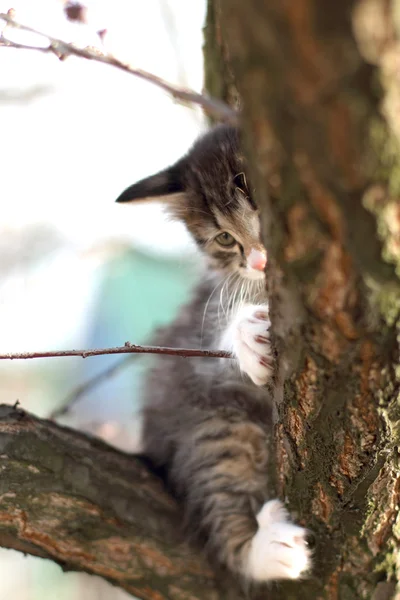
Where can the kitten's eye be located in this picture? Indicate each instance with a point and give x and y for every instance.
(225, 239)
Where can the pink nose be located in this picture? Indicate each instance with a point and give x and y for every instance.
(257, 259)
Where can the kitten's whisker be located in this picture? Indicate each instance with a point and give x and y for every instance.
(221, 293)
(207, 304)
(249, 290)
(233, 283)
(231, 301)
(245, 289)
(234, 296)
(205, 311)
(241, 293)
(224, 288)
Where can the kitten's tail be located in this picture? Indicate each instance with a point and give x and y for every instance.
(220, 471)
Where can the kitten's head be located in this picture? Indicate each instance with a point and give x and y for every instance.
(207, 189)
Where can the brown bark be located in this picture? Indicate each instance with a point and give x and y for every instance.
(319, 87)
(88, 507)
(312, 76)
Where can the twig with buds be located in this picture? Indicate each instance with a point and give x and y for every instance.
(62, 50)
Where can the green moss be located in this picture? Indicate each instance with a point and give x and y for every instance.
(43, 453)
(396, 527)
(386, 299)
(389, 303)
(395, 429)
(381, 198)
(386, 151)
(388, 564)
(87, 528)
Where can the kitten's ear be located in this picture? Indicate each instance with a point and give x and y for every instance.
(161, 186)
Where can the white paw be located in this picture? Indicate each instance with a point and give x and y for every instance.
(279, 549)
(247, 337)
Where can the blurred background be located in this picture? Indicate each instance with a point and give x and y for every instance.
(77, 270)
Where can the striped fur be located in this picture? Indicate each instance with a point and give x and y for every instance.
(207, 427)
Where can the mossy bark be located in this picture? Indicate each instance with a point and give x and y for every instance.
(320, 96)
(319, 88)
(88, 507)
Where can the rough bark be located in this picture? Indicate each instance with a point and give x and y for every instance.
(320, 88)
(88, 507)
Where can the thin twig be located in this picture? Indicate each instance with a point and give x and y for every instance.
(61, 49)
(128, 348)
(88, 385)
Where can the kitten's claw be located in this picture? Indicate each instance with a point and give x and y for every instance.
(279, 549)
(248, 338)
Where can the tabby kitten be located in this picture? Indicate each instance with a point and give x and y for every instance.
(207, 422)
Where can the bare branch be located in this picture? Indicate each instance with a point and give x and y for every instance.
(88, 385)
(113, 369)
(212, 106)
(128, 348)
(89, 507)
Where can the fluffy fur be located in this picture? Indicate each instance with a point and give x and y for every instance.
(207, 423)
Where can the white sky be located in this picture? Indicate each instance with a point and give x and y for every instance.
(73, 135)
(94, 130)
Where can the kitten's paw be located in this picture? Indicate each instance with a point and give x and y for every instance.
(248, 338)
(279, 549)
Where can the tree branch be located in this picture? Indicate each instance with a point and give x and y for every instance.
(212, 106)
(88, 385)
(82, 389)
(323, 156)
(89, 507)
(128, 348)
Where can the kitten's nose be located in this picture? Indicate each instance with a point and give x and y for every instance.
(257, 259)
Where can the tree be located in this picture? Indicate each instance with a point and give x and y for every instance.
(319, 90)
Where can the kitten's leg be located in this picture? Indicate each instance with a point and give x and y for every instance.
(247, 337)
(278, 550)
(219, 472)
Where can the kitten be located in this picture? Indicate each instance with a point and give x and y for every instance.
(207, 422)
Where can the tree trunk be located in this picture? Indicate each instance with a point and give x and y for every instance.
(320, 88)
